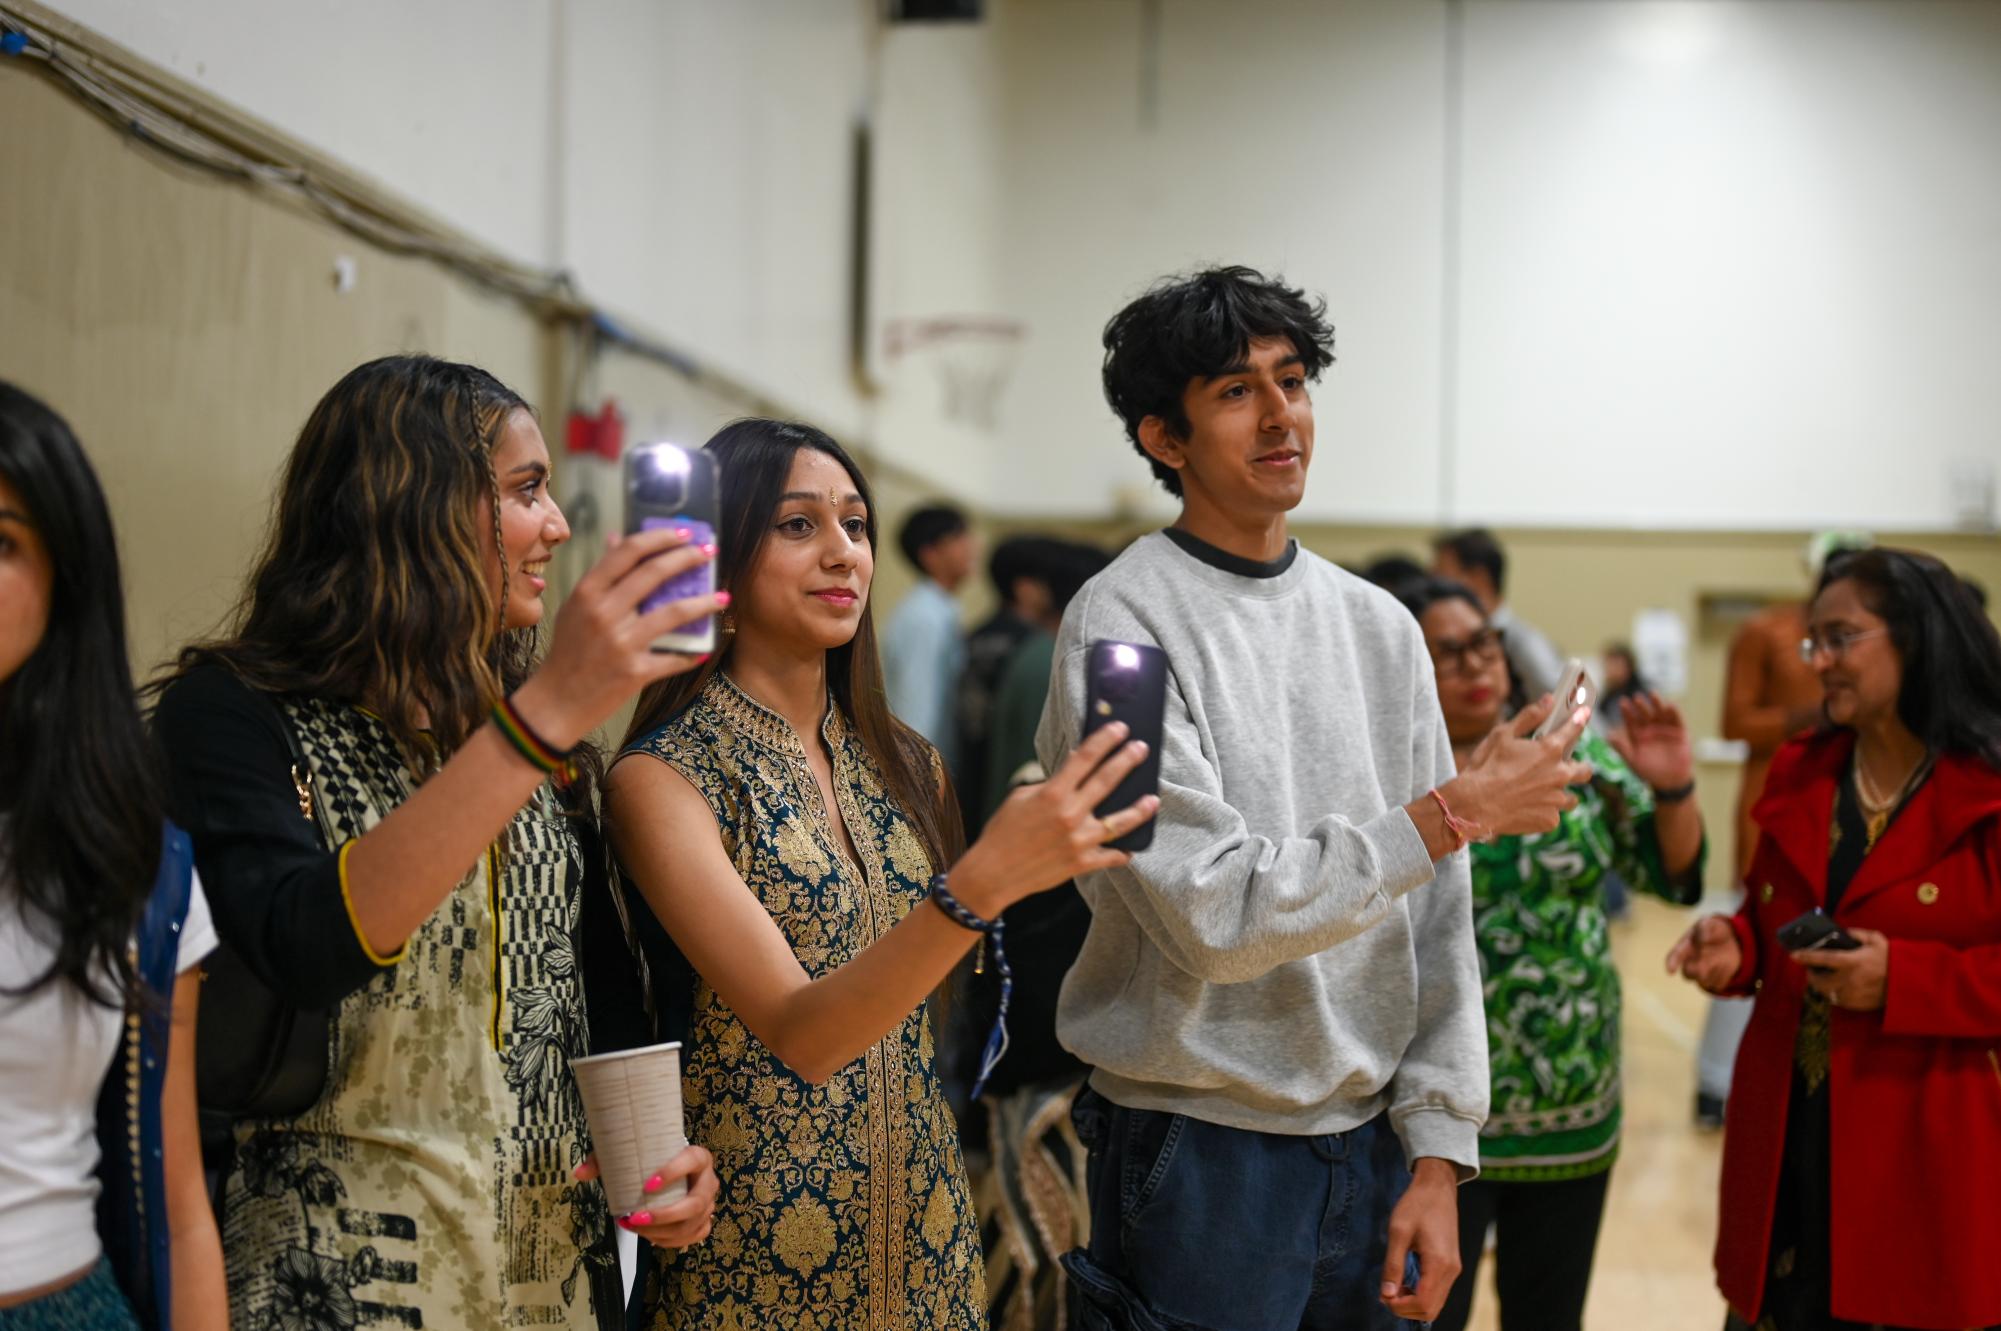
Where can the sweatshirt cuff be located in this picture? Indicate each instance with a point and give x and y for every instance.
(1400, 850)
(1442, 1134)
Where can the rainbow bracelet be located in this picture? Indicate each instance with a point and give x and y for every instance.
(545, 756)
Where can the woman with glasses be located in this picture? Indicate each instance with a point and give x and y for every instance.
(1864, 1131)
(1552, 994)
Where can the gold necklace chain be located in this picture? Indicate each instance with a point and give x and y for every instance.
(1876, 810)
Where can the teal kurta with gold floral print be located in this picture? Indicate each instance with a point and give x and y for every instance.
(844, 1206)
(1552, 994)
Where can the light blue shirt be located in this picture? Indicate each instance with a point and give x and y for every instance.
(923, 651)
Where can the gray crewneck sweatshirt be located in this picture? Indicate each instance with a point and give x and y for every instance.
(1285, 957)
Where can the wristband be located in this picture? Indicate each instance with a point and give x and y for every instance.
(1459, 827)
(541, 754)
(1675, 794)
(941, 897)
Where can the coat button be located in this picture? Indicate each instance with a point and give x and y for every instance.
(1765, 893)
(1928, 894)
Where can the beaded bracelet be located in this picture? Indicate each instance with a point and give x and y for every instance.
(941, 897)
(547, 757)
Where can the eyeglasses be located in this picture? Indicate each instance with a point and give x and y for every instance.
(1477, 652)
(1835, 642)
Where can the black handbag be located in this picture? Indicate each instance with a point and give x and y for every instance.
(259, 1057)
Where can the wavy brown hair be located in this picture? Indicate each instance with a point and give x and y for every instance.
(373, 587)
(753, 458)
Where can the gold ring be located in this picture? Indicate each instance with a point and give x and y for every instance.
(1105, 832)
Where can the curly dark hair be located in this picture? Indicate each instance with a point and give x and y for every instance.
(1196, 326)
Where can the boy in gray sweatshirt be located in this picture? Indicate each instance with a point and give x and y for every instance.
(1280, 998)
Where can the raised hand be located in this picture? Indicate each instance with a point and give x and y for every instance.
(1653, 739)
(1514, 784)
(602, 650)
(1048, 833)
(1708, 954)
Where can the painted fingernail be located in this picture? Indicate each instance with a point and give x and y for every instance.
(703, 657)
(640, 1219)
(656, 1183)
(682, 534)
(710, 549)
(722, 598)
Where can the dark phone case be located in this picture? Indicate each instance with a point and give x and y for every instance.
(696, 512)
(1137, 696)
(1815, 929)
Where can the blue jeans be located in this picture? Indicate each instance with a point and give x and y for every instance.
(1195, 1225)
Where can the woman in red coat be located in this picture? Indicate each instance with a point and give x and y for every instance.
(1862, 1164)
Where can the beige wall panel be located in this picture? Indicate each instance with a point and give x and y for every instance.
(185, 327)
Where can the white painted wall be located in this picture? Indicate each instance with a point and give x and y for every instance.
(1293, 136)
(1717, 262)
(1728, 264)
(690, 161)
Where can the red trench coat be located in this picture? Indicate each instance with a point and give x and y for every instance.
(1915, 1088)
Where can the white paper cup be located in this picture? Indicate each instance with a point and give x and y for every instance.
(632, 1101)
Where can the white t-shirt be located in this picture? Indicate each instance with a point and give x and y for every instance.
(55, 1048)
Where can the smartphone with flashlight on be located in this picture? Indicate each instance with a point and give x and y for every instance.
(1127, 681)
(1574, 689)
(670, 486)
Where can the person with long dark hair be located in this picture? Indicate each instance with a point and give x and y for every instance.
(1551, 991)
(82, 810)
(1863, 1134)
(388, 798)
(801, 847)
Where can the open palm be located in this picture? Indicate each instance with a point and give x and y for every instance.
(1653, 739)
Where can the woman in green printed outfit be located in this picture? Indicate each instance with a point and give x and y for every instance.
(1552, 994)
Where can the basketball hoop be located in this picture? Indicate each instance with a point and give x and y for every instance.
(970, 356)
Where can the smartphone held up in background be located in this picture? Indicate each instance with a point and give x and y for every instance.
(670, 486)
(1574, 689)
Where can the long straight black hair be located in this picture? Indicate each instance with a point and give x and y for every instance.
(1951, 654)
(79, 780)
(753, 459)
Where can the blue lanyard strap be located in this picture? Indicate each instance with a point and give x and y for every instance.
(941, 897)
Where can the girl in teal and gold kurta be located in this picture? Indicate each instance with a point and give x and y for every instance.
(788, 834)
(1552, 994)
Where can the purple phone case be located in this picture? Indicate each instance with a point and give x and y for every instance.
(696, 581)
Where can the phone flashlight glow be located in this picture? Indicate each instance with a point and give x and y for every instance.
(1125, 658)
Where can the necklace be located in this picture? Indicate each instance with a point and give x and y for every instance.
(1876, 809)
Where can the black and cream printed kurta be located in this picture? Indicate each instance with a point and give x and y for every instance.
(431, 1185)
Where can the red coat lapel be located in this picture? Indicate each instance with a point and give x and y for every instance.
(1798, 807)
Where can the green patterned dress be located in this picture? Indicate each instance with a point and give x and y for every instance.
(1552, 993)
(844, 1206)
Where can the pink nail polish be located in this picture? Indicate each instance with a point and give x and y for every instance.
(640, 1219)
(710, 549)
(722, 598)
(656, 1183)
(682, 533)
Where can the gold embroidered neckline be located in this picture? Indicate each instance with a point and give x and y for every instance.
(765, 726)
